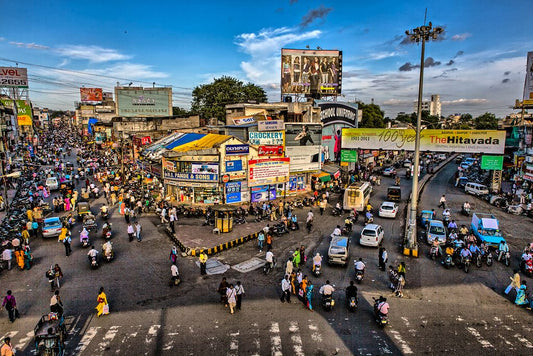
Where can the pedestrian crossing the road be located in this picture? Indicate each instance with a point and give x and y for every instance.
(278, 338)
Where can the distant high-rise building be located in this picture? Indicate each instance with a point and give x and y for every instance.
(433, 106)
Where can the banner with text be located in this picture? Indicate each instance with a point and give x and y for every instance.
(304, 159)
(268, 171)
(272, 138)
(479, 141)
(24, 113)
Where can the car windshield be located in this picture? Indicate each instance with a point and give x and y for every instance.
(367, 232)
(436, 230)
(386, 207)
(337, 250)
(51, 223)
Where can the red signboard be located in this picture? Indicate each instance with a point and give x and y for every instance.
(270, 151)
(91, 95)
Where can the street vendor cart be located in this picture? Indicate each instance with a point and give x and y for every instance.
(50, 335)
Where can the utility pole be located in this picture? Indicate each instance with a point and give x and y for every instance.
(422, 33)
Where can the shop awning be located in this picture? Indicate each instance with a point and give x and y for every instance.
(322, 176)
(184, 139)
(206, 142)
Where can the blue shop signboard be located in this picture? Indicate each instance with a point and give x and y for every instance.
(233, 192)
(237, 150)
(197, 177)
(234, 166)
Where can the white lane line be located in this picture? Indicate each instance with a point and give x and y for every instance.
(170, 343)
(411, 330)
(403, 344)
(152, 333)
(297, 344)
(507, 342)
(233, 344)
(256, 339)
(275, 340)
(315, 335)
(22, 342)
(90, 333)
(382, 344)
(124, 340)
(479, 338)
(9, 334)
(108, 338)
(524, 341)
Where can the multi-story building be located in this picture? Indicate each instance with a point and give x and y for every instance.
(433, 105)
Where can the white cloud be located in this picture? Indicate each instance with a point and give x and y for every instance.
(264, 48)
(461, 36)
(464, 101)
(28, 45)
(382, 55)
(94, 54)
(129, 70)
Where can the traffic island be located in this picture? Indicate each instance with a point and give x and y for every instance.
(191, 237)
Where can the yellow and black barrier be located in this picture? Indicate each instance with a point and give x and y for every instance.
(216, 249)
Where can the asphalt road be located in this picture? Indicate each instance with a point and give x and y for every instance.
(442, 311)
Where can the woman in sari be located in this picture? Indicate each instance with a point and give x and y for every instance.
(28, 257)
(102, 303)
(309, 295)
(19, 256)
(67, 204)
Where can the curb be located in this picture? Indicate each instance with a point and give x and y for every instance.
(212, 250)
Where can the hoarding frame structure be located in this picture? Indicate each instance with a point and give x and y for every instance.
(143, 102)
(24, 113)
(13, 77)
(528, 84)
(303, 71)
(91, 95)
(268, 171)
(480, 141)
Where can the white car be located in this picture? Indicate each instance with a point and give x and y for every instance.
(389, 171)
(388, 209)
(371, 235)
(407, 163)
(52, 183)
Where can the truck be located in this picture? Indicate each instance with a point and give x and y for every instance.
(487, 228)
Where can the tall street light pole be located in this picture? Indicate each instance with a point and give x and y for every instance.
(419, 34)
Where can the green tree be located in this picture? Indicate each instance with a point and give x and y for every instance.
(181, 112)
(373, 116)
(209, 100)
(404, 118)
(465, 118)
(487, 121)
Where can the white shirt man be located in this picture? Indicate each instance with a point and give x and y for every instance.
(317, 260)
(92, 252)
(337, 231)
(359, 266)
(269, 257)
(310, 216)
(326, 289)
(285, 285)
(174, 271)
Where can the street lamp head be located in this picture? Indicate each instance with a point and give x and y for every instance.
(14, 175)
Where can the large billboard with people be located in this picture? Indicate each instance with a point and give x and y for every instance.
(91, 95)
(479, 141)
(143, 102)
(311, 71)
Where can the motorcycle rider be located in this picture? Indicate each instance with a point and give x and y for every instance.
(503, 248)
(368, 216)
(436, 247)
(369, 208)
(107, 248)
(452, 225)
(446, 215)
(463, 231)
(294, 221)
(359, 266)
(270, 258)
(474, 250)
(93, 253)
(466, 207)
(326, 290)
(351, 291)
(348, 224)
(317, 261)
(338, 207)
(337, 231)
(84, 235)
(382, 306)
(465, 253)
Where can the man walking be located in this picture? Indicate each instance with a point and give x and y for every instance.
(7, 256)
(240, 293)
(286, 289)
(203, 263)
(383, 258)
(232, 295)
(442, 202)
(10, 304)
(172, 219)
(138, 229)
(66, 242)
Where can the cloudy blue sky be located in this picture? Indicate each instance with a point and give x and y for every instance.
(478, 65)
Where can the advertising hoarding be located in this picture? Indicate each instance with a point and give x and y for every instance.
(348, 156)
(24, 113)
(233, 192)
(8, 103)
(310, 71)
(270, 151)
(13, 77)
(147, 102)
(237, 150)
(234, 166)
(200, 177)
(303, 134)
(479, 141)
(296, 184)
(91, 95)
(209, 168)
(528, 86)
(272, 138)
(243, 120)
(270, 125)
(335, 117)
(263, 193)
(304, 159)
(268, 171)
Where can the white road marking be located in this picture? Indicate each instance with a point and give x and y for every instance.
(9, 334)
(256, 339)
(382, 344)
(275, 339)
(507, 342)
(412, 331)
(297, 344)
(90, 333)
(315, 335)
(127, 337)
(479, 338)
(108, 338)
(152, 333)
(459, 318)
(22, 342)
(403, 344)
(233, 344)
(524, 341)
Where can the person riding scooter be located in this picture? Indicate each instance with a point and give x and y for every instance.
(503, 248)
(382, 307)
(369, 218)
(107, 250)
(337, 231)
(84, 235)
(317, 261)
(93, 253)
(466, 209)
(106, 229)
(104, 212)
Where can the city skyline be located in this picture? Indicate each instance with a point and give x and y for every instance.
(478, 65)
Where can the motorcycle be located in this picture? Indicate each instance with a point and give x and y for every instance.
(240, 220)
(381, 319)
(280, 229)
(93, 261)
(84, 239)
(466, 264)
(506, 258)
(317, 270)
(478, 260)
(489, 259)
(447, 262)
(433, 252)
(106, 231)
(327, 302)
(269, 266)
(359, 275)
(352, 304)
(299, 204)
(309, 226)
(109, 255)
(105, 215)
(465, 212)
(527, 268)
(336, 212)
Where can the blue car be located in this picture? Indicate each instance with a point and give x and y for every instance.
(52, 227)
(424, 217)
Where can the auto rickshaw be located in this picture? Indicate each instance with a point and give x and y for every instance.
(83, 208)
(66, 187)
(424, 217)
(49, 335)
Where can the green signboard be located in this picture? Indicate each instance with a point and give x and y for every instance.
(148, 102)
(348, 156)
(492, 162)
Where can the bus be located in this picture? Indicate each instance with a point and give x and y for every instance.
(357, 195)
